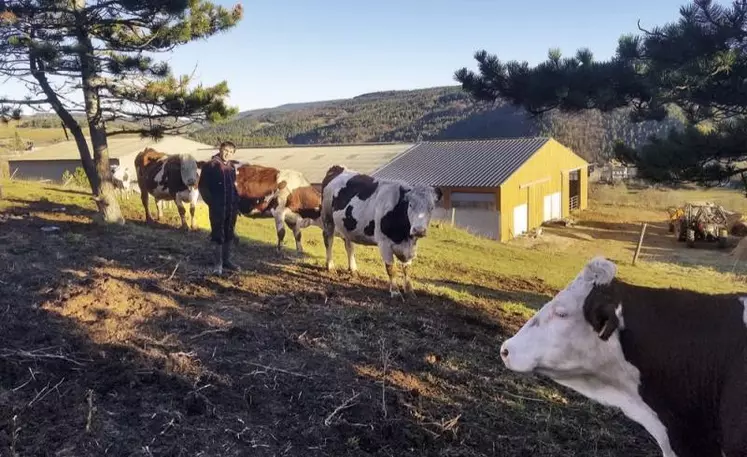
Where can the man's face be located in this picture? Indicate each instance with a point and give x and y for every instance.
(226, 152)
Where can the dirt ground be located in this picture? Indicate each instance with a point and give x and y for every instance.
(115, 341)
(615, 230)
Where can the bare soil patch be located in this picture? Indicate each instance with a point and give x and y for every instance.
(115, 341)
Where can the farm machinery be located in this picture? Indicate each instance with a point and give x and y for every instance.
(700, 221)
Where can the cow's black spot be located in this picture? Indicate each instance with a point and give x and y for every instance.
(349, 221)
(298, 236)
(395, 224)
(310, 213)
(369, 229)
(361, 186)
(172, 176)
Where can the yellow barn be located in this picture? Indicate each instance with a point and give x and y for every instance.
(498, 187)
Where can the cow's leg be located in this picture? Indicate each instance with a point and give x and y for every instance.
(279, 227)
(192, 206)
(144, 199)
(387, 255)
(350, 250)
(328, 233)
(296, 227)
(182, 211)
(159, 207)
(296, 223)
(408, 284)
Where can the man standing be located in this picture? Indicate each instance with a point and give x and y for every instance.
(218, 189)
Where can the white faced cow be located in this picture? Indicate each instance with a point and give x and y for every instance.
(168, 177)
(392, 215)
(672, 360)
(122, 178)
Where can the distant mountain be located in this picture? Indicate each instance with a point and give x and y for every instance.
(439, 113)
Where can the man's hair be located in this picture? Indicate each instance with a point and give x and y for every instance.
(227, 145)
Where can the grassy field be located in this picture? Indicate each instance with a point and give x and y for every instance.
(116, 340)
(39, 136)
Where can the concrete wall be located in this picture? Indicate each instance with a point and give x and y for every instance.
(45, 169)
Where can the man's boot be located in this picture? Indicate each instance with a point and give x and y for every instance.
(218, 259)
(227, 264)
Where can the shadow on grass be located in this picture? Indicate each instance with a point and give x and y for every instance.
(114, 341)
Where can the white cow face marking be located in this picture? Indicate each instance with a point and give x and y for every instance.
(562, 339)
(421, 201)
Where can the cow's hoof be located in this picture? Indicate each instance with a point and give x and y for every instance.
(184, 228)
(218, 271)
(395, 294)
(233, 268)
(330, 266)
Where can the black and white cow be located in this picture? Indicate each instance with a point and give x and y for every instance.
(674, 361)
(364, 210)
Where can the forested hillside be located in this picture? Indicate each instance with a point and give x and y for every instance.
(425, 114)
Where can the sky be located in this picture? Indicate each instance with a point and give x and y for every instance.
(288, 51)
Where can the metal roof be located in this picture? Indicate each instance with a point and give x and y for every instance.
(473, 163)
(121, 147)
(314, 161)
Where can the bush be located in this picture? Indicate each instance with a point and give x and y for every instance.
(76, 179)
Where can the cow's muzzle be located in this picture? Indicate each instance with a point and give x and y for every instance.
(418, 232)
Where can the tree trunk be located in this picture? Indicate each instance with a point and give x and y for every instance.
(102, 184)
(104, 192)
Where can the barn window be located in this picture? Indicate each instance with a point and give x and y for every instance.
(477, 200)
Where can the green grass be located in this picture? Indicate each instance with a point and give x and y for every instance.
(453, 256)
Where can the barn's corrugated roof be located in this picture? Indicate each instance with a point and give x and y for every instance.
(121, 147)
(314, 161)
(472, 163)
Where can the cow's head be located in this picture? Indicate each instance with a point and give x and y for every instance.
(262, 204)
(189, 170)
(421, 200)
(570, 335)
(120, 173)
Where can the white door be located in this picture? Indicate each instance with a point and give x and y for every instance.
(521, 219)
(552, 207)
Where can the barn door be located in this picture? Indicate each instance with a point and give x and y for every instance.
(551, 208)
(521, 219)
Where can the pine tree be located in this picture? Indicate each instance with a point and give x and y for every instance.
(96, 57)
(696, 67)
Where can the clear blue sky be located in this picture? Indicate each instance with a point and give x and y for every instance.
(287, 51)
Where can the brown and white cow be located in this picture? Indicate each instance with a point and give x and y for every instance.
(674, 361)
(286, 195)
(168, 177)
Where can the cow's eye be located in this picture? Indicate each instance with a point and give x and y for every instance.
(561, 313)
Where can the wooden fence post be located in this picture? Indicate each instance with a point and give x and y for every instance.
(640, 243)
(453, 216)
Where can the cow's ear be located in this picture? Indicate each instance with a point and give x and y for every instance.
(600, 309)
(200, 164)
(439, 194)
(282, 184)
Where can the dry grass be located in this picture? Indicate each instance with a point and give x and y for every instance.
(660, 198)
(39, 136)
(112, 350)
